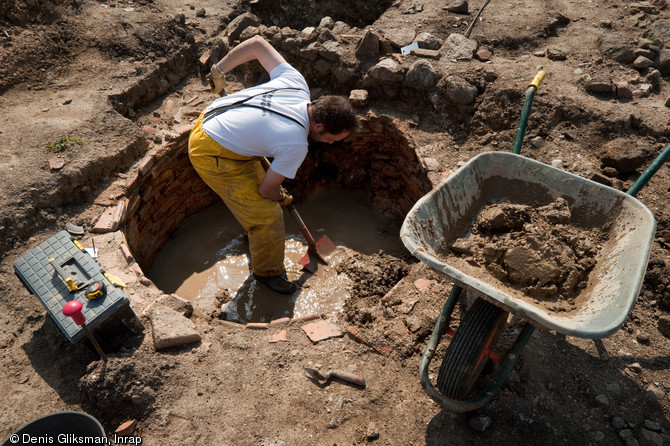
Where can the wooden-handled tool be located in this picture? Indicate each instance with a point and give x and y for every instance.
(316, 251)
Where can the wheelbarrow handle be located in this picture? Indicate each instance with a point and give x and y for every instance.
(649, 172)
(525, 112)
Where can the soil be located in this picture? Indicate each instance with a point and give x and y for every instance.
(88, 87)
(536, 249)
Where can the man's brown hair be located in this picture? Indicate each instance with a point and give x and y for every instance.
(335, 113)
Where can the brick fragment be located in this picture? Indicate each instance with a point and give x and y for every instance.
(278, 337)
(258, 325)
(322, 330)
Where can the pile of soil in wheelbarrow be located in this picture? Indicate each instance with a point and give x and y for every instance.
(536, 249)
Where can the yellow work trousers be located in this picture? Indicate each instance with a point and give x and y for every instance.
(235, 178)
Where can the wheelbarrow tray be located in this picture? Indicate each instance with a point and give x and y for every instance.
(449, 212)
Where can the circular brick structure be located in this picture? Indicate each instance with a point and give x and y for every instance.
(378, 159)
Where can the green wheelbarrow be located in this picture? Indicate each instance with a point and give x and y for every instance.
(449, 212)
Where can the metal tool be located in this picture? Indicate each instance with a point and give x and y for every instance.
(322, 380)
(73, 309)
(316, 251)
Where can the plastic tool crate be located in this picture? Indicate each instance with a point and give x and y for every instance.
(44, 280)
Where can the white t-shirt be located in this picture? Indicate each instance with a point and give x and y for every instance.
(252, 131)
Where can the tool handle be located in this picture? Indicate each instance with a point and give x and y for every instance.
(301, 224)
(63, 275)
(348, 377)
(73, 309)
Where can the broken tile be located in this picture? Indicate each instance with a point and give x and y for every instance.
(423, 284)
(126, 428)
(278, 337)
(321, 330)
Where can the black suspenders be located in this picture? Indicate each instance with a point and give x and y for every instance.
(242, 103)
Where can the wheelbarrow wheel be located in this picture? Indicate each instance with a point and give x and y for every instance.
(467, 354)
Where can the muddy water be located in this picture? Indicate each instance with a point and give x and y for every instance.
(209, 253)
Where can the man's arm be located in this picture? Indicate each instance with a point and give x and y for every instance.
(255, 48)
(269, 187)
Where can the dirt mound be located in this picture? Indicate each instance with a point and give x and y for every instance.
(124, 384)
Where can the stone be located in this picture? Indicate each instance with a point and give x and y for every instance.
(484, 54)
(177, 303)
(460, 91)
(660, 31)
(618, 423)
(599, 84)
(56, 163)
(458, 7)
(655, 392)
(458, 47)
(331, 51)
(249, 32)
(400, 37)
(428, 41)
(372, 433)
(327, 22)
(642, 62)
(388, 71)
(616, 46)
(239, 24)
(344, 75)
(368, 47)
(649, 438)
(358, 98)
(663, 62)
(623, 90)
(171, 329)
(554, 53)
(622, 156)
(310, 52)
(421, 75)
(480, 422)
(340, 27)
(432, 164)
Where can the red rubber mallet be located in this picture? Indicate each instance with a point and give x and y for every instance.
(73, 309)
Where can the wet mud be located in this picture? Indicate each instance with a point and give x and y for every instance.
(535, 249)
(206, 260)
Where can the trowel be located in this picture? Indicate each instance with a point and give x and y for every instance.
(316, 251)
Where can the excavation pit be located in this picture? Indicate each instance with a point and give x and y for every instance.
(356, 192)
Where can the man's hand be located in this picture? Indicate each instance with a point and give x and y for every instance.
(217, 81)
(286, 199)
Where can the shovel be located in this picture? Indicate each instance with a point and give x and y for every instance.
(316, 251)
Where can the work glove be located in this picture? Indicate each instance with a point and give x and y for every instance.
(217, 81)
(285, 199)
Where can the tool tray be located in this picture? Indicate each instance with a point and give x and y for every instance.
(42, 280)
